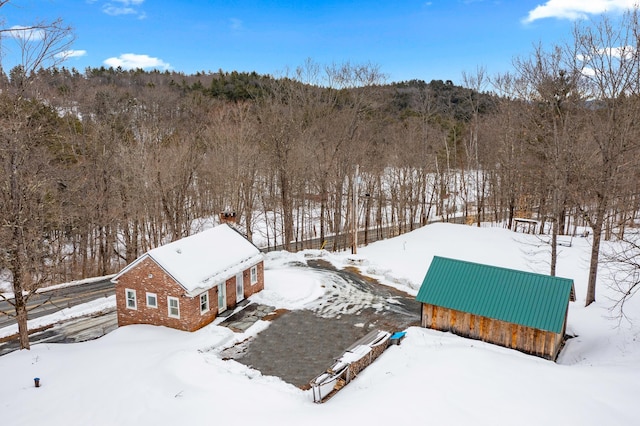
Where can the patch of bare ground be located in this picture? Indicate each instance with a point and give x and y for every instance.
(275, 314)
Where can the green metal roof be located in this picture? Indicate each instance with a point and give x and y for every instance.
(518, 297)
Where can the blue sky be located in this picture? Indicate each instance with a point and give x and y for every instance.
(406, 39)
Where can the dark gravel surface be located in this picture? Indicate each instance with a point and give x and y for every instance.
(301, 344)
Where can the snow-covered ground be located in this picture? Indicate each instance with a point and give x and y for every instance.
(141, 375)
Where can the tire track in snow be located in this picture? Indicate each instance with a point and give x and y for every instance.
(343, 297)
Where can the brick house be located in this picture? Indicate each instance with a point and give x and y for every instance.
(187, 283)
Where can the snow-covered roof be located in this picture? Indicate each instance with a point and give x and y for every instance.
(202, 260)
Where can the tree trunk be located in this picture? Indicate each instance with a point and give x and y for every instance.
(21, 319)
(554, 247)
(20, 302)
(287, 210)
(595, 254)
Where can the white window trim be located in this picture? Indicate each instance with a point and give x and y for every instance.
(169, 299)
(253, 274)
(126, 298)
(222, 294)
(155, 296)
(204, 311)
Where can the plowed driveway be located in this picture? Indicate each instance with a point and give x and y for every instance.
(301, 344)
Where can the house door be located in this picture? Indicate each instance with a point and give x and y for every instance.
(239, 287)
(222, 297)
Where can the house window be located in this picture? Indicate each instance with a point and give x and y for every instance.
(254, 275)
(204, 302)
(152, 300)
(131, 298)
(174, 307)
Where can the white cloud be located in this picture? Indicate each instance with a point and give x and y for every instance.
(623, 52)
(577, 9)
(235, 24)
(133, 61)
(25, 33)
(123, 7)
(71, 54)
(112, 10)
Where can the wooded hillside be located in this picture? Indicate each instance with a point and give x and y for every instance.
(102, 165)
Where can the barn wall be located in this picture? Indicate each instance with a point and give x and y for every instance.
(529, 340)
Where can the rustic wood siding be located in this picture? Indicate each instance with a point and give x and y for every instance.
(532, 341)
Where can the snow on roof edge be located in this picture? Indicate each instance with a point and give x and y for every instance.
(195, 285)
(223, 276)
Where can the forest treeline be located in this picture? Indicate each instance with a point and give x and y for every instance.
(99, 166)
(117, 162)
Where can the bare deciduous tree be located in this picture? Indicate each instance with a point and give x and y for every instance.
(550, 85)
(607, 55)
(28, 183)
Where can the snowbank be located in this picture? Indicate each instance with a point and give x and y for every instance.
(153, 375)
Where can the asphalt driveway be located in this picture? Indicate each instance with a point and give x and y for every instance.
(301, 344)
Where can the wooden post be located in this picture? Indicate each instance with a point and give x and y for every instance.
(354, 211)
